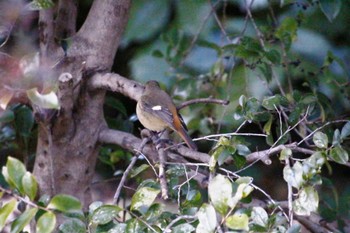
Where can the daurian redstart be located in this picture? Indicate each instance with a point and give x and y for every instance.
(156, 111)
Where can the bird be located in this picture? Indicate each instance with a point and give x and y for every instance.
(156, 111)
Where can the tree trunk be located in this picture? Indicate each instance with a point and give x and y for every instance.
(68, 143)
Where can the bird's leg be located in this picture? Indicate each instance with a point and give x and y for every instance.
(160, 142)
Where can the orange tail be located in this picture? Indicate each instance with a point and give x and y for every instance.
(184, 135)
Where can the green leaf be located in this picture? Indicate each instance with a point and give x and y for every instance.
(183, 228)
(40, 4)
(65, 203)
(119, 228)
(105, 214)
(136, 171)
(207, 219)
(330, 8)
(313, 164)
(294, 175)
(7, 116)
(238, 222)
(48, 101)
(211, 45)
(225, 153)
(220, 192)
(133, 225)
(46, 223)
(307, 201)
(270, 103)
(336, 138)
(193, 199)
(30, 185)
(259, 216)
(320, 139)
(266, 70)
(287, 31)
(157, 53)
(285, 154)
(93, 206)
(5, 173)
(339, 155)
(244, 188)
(248, 48)
(267, 126)
(242, 150)
(153, 212)
(72, 225)
(143, 199)
(23, 220)
(309, 99)
(16, 171)
(345, 131)
(274, 56)
(295, 115)
(24, 120)
(5, 211)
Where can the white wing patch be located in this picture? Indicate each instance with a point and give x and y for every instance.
(157, 108)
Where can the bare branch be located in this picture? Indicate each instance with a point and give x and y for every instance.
(310, 225)
(130, 142)
(203, 100)
(123, 179)
(258, 155)
(321, 127)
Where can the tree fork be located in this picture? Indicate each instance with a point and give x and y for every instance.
(67, 147)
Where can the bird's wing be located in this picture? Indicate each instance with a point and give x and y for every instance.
(159, 111)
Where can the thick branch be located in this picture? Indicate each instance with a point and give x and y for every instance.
(66, 20)
(66, 98)
(99, 37)
(116, 83)
(46, 29)
(130, 142)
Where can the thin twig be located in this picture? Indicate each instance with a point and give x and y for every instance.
(187, 181)
(162, 175)
(259, 189)
(123, 179)
(179, 218)
(290, 198)
(126, 173)
(319, 128)
(24, 200)
(230, 135)
(218, 21)
(195, 38)
(203, 100)
(144, 222)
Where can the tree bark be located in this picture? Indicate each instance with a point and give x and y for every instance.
(67, 147)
